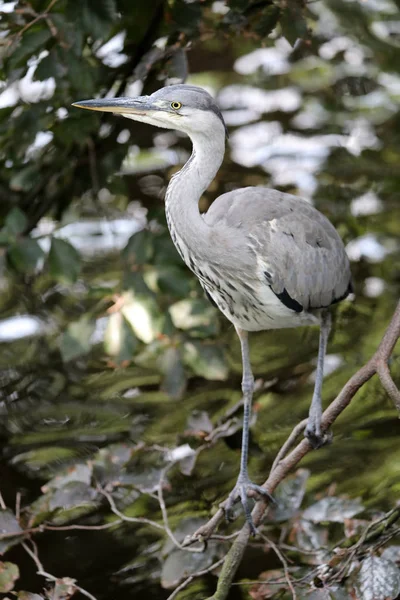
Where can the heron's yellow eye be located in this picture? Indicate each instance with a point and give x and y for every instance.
(176, 105)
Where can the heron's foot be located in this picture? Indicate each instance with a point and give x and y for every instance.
(315, 436)
(240, 492)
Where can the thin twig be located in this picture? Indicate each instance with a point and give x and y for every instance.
(40, 570)
(18, 506)
(42, 15)
(165, 515)
(34, 555)
(137, 520)
(284, 564)
(185, 583)
(85, 527)
(2, 503)
(297, 430)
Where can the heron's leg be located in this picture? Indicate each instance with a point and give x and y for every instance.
(243, 484)
(313, 430)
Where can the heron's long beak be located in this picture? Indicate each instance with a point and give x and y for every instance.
(133, 106)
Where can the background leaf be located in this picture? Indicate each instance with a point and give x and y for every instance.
(377, 579)
(9, 573)
(64, 261)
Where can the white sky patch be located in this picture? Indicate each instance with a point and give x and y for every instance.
(367, 204)
(111, 53)
(361, 137)
(7, 7)
(289, 158)
(366, 247)
(123, 136)
(262, 101)
(9, 96)
(220, 7)
(390, 81)
(241, 116)
(19, 327)
(374, 287)
(35, 91)
(41, 140)
(62, 113)
(338, 44)
(313, 115)
(332, 363)
(96, 237)
(271, 60)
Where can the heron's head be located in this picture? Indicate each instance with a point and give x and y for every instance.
(184, 107)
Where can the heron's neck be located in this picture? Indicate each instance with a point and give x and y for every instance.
(187, 186)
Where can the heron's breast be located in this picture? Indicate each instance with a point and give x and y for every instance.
(248, 304)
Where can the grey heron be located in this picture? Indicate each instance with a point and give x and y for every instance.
(267, 259)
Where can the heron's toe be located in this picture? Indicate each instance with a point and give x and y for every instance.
(316, 437)
(240, 492)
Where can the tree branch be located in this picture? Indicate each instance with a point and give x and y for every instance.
(376, 364)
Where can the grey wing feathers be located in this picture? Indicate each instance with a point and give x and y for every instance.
(296, 248)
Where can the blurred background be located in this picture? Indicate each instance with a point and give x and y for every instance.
(113, 363)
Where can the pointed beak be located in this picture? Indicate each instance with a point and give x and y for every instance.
(133, 106)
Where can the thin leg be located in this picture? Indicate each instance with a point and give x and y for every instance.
(243, 483)
(313, 430)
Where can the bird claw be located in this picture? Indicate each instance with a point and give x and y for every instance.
(240, 492)
(316, 437)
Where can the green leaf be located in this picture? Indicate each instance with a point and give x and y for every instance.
(174, 381)
(293, 23)
(96, 17)
(49, 66)
(23, 179)
(143, 314)
(70, 31)
(206, 360)
(9, 573)
(28, 596)
(32, 41)
(139, 249)
(80, 74)
(105, 9)
(64, 261)
(119, 340)
(9, 524)
(15, 221)
(174, 279)
(194, 313)
(75, 341)
(24, 255)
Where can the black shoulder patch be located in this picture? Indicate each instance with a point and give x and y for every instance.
(289, 301)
